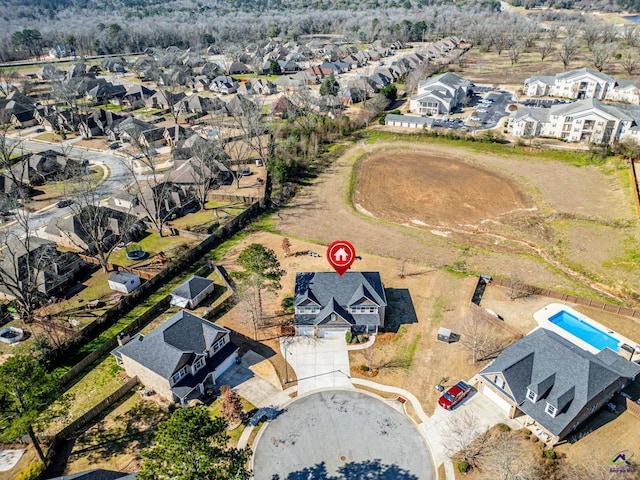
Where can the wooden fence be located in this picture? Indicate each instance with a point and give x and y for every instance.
(119, 268)
(635, 185)
(478, 310)
(68, 431)
(112, 342)
(633, 407)
(564, 297)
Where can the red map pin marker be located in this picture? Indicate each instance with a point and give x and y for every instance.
(341, 255)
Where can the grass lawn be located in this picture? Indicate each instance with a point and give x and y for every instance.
(152, 244)
(148, 111)
(216, 407)
(116, 441)
(104, 379)
(208, 217)
(246, 76)
(49, 137)
(112, 107)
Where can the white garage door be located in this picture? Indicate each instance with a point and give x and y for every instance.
(337, 333)
(307, 331)
(497, 399)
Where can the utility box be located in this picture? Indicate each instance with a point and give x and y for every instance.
(445, 335)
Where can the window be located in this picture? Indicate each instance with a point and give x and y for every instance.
(531, 395)
(179, 374)
(551, 410)
(499, 381)
(219, 344)
(568, 119)
(198, 364)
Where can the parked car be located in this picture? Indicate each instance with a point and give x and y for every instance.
(63, 203)
(39, 130)
(245, 172)
(454, 395)
(115, 146)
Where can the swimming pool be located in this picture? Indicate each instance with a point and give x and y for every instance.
(584, 331)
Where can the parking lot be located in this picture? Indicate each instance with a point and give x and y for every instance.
(490, 110)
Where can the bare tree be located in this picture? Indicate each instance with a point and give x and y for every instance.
(507, 458)
(516, 289)
(206, 165)
(286, 246)
(101, 229)
(8, 77)
(629, 61)
(480, 338)
(630, 35)
(592, 33)
(249, 293)
(12, 163)
(568, 52)
(602, 54)
(467, 438)
(25, 261)
(149, 186)
(546, 49)
(515, 50)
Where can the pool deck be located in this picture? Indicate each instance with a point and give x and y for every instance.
(542, 317)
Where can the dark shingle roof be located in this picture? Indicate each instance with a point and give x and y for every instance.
(336, 293)
(192, 287)
(173, 344)
(578, 376)
(97, 474)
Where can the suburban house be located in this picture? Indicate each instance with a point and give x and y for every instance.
(36, 266)
(181, 359)
(441, 94)
(582, 84)
(586, 121)
(45, 166)
(192, 292)
(97, 474)
(110, 225)
(553, 383)
(328, 305)
(123, 282)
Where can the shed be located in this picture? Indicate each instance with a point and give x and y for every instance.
(445, 335)
(192, 292)
(124, 282)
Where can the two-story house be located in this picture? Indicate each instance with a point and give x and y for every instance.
(181, 358)
(553, 384)
(327, 304)
(441, 94)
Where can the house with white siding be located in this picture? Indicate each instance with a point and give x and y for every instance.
(441, 94)
(583, 83)
(585, 121)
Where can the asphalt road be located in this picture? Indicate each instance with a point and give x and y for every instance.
(117, 177)
(340, 434)
(493, 111)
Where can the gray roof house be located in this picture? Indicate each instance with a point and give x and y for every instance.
(97, 474)
(192, 292)
(180, 359)
(327, 305)
(554, 383)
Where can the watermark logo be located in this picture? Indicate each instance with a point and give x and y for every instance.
(621, 462)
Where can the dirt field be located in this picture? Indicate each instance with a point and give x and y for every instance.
(425, 189)
(537, 240)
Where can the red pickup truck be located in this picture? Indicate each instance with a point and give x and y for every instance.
(454, 395)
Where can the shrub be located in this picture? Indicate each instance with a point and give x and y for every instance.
(287, 303)
(503, 427)
(526, 432)
(462, 466)
(32, 472)
(360, 339)
(550, 454)
(364, 368)
(348, 336)
(534, 439)
(381, 121)
(212, 228)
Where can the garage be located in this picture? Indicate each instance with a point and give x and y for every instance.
(333, 332)
(307, 331)
(497, 399)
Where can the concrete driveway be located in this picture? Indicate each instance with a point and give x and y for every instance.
(318, 362)
(252, 380)
(484, 410)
